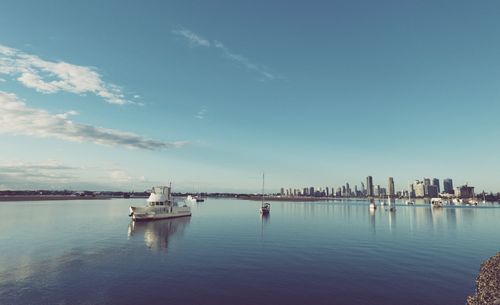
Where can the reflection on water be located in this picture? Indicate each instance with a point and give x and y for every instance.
(157, 233)
(372, 219)
(265, 218)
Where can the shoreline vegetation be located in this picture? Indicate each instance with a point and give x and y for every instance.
(487, 283)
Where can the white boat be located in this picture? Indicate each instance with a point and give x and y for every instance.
(383, 203)
(372, 205)
(190, 199)
(473, 201)
(437, 202)
(265, 208)
(160, 205)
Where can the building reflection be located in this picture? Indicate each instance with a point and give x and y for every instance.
(372, 220)
(157, 233)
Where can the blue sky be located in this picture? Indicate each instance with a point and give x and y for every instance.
(208, 94)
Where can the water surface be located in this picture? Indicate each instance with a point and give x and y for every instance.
(88, 252)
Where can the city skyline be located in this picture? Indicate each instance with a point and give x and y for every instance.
(425, 188)
(182, 93)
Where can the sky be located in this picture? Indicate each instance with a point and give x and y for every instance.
(123, 95)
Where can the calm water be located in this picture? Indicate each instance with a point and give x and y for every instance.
(88, 252)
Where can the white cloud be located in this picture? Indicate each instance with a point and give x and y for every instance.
(201, 114)
(17, 118)
(196, 40)
(50, 77)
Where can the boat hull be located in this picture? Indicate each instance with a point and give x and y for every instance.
(146, 217)
(159, 212)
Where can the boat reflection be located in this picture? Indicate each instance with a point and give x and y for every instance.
(265, 218)
(157, 233)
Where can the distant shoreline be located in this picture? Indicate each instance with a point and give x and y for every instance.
(9, 198)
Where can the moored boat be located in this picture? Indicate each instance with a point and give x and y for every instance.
(437, 202)
(265, 208)
(160, 205)
(190, 199)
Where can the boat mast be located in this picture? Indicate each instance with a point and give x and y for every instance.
(262, 204)
(409, 191)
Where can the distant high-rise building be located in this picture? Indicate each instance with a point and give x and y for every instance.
(369, 186)
(282, 191)
(464, 191)
(383, 192)
(435, 182)
(363, 190)
(431, 191)
(392, 191)
(311, 191)
(448, 185)
(427, 182)
(305, 192)
(419, 188)
(348, 189)
(327, 191)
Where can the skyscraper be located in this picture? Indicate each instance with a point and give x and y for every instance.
(391, 187)
(448, 185)
(369, 186)
(435, 182)
(419, 187)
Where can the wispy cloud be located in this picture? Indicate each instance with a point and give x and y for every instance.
(119, 176)
(50, 171)
(53, 174)
(195, 40)
(201, 114)
(17, 118)
(50, 77)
